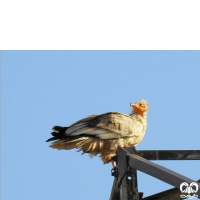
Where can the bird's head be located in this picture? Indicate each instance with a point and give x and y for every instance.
(140, 107)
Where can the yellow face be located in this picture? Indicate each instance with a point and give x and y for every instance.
(140, 107)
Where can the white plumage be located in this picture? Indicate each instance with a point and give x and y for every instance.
(102, 134)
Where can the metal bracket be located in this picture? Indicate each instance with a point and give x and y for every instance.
(129, 161)
(159, 172)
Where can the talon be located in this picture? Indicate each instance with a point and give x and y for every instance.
(114, 172)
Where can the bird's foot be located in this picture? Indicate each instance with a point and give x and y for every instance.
(114, 172)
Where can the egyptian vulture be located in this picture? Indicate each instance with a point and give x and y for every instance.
(102, 134)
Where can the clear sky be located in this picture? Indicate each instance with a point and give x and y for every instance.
(41, 89)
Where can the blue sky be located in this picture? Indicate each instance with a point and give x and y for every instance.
(41, 89)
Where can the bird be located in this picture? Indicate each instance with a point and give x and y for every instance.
(103, 133)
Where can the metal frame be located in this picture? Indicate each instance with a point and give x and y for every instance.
(129, 160)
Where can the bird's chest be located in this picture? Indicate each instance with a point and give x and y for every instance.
(133, 141)
(125, 125)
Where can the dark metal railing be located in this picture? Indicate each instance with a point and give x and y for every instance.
(129, 160)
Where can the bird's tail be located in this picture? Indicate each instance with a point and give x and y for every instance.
(59, 133)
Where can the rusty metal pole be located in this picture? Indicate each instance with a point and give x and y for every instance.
(128, 186)
(129, 161)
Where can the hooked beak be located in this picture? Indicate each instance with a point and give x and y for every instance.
(133, 104)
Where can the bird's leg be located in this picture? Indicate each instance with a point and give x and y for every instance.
(114, 169)
(113, 164)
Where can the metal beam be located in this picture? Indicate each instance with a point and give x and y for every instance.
(159, 172)
(128, 187)
(115, 192)
(122, 166)
(127, 177)
(166, 154)
(170, 194)
(125, 183)
(129, 160)
(170, 155)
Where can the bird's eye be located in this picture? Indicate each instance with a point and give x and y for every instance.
(140, 104)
